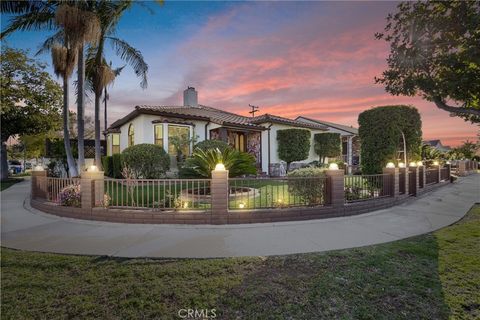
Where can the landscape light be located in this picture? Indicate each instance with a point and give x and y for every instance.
(92, 168)
(38, 168)
(333, 166)
(435, 163)
(448, 162)
(241, 205)
(185, 205)
(413, 164)
(220, 167)
(390, 165)
(401, 165)
(419, 163)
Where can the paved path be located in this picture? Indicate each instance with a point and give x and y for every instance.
(28, 229)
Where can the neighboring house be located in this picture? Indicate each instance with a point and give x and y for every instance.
(350, 140)
(255, 135)
(437, 144)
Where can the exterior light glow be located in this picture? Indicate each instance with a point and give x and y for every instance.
(38, 168)
(92, 168)
(241, 205)
(390, 165)
(185, 205)
(448, 162)
(220, 167)
(333, 166)
(435, 163)
(401, 165)
(413, 164)
(419, 163)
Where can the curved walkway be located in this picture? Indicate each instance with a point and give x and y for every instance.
(28, 229)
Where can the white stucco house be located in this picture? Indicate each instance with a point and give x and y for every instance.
(255, 135)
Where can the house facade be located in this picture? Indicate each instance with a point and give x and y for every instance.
(255, 135)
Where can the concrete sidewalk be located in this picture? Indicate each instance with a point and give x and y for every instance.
(28, 229)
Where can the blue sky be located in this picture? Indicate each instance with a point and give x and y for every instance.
(291, 58)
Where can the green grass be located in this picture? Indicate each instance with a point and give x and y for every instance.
(8, 183)
(434, 276)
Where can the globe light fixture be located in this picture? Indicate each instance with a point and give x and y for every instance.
(390, 165)
(220, 167)
(448, 162)
(38, 168)
(419, 163)
(92, 168)
(333, 166)
(401, 165)
(435, 163)
(241, 205)
(412, 164)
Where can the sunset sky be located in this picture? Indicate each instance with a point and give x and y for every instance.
(316, 59)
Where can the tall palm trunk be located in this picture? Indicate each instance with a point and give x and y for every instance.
(72, 168)
(81, 109)
(98, 161)
(105, 123)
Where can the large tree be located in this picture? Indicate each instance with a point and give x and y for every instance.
(31, 100)
(435, 53)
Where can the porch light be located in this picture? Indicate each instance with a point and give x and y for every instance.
(333, 166)
(435, 163)
(38, 168)
(412, 164)
(220, 167)
(241, 205)
(419, 163)
(390, 165)
(401, 165)
(92, 168)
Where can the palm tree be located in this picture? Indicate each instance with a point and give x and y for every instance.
(64, 59)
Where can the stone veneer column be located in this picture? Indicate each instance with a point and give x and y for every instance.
(405, 171)
(394, 181)
(92, 189)
(336, 188)
(462, 168)
(439, 173)
(413, 174)
(39, 184)
(422, 176)
(219, 194)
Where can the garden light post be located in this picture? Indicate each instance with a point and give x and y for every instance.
(92, 187)
(413, 178)
(336, 186)
(391, 180)
(219, 193)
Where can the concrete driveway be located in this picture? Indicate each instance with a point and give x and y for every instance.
(25, 228)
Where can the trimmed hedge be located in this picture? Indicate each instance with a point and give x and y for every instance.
(381, 134)
(107, 165)
(311, 191)
(113, 165)
(327, 144)
(147, 161)
(293, 145)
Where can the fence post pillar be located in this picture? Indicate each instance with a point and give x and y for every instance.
(393, 182)
(336, 188)
(462, 168)
(449, 170)
(439, 173)
(422, 176)
(91, 188)
(414, 174)
(39, 184)
(404, 170)
(219, 194)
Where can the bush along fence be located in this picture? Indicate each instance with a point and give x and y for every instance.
(223, 200)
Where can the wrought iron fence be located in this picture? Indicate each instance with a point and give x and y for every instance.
(431, 176)
(444, 174)
(158, 194)
(258, 193)
(365, 187)
(55, 186)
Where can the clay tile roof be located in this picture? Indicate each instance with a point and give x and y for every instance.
(277, 119)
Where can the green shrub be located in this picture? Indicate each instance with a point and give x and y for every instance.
(293, 145)
(117, 166)
(147, 161)
(107, 166)
(327, 145)
(201, 164)
(380, 132)
(211, 144)
(310, 189)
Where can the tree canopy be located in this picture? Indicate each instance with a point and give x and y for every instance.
(435, 53)
(293, 145)
(327, 144)
(381, 131)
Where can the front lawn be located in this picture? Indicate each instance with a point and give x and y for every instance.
(434, 276)
(8, 183)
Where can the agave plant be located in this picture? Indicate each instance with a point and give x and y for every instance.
(203, 162)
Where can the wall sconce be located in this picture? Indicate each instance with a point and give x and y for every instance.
(220, 167)
(412, 164)
(435, 163)
(419, 163)
(390, 165)
(401, 165)
(92, 168)
(333, 166)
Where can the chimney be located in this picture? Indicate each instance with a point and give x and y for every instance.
(190, 97)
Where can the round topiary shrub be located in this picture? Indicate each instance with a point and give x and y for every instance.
(308, 184)
(211, 144)
(146, 161)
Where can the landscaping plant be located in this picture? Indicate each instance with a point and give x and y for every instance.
(327, 145)
(70, 196)
(308, 184)
(211, 144)
(146, 161)
(293, 145)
